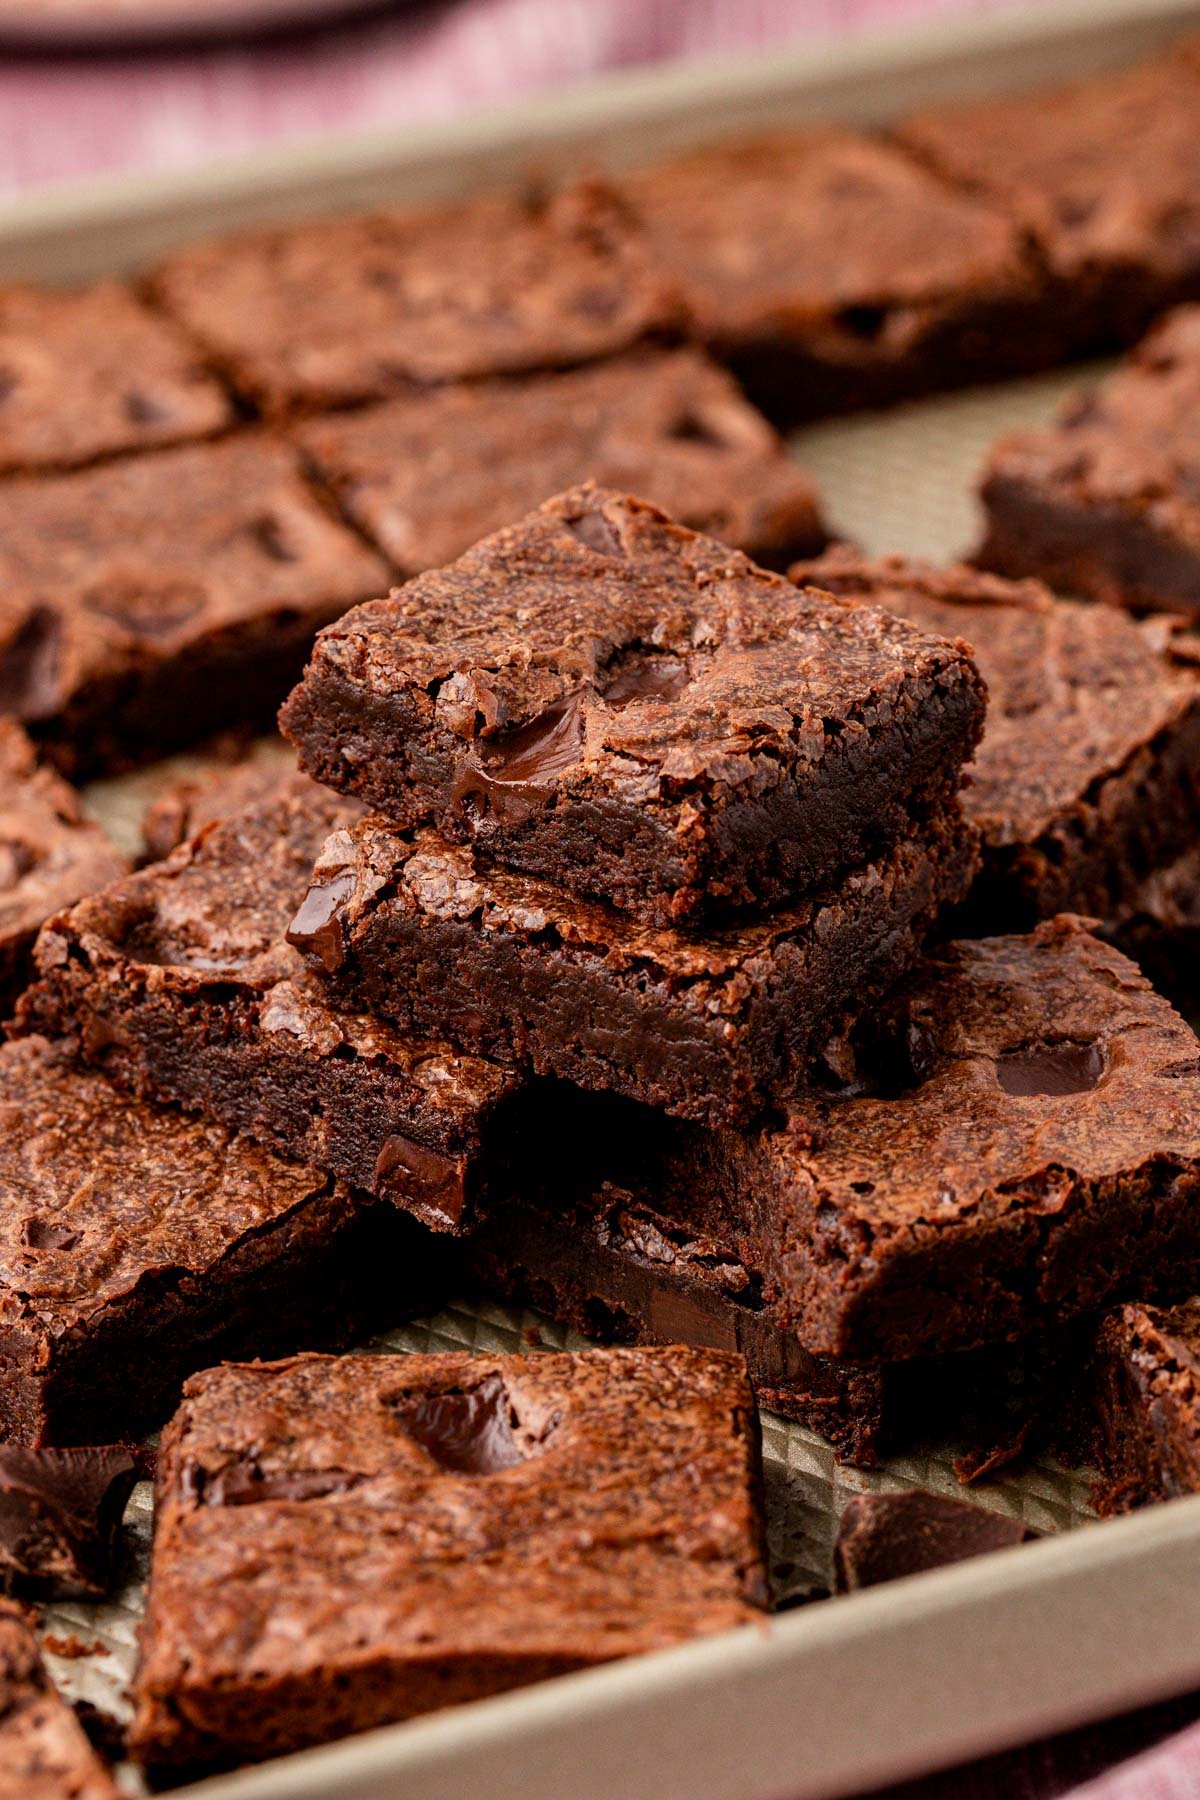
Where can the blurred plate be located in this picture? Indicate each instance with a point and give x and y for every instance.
(42, 24)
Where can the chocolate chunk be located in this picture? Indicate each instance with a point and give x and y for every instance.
(60, 1514)
(884, 1536)
(317, 927)
(468, 1431)
(1050, 1069)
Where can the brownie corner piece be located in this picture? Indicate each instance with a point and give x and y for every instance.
(43, 1748)
(618, 1494)
(1103, 502)
(1142, 1409)
(603, 699)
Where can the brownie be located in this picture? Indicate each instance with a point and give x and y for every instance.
(217, 787)
(44, 1754)
(136, 1245)
(60, 1515)
(1144, 1409)
(831, 271)
(429, 473)
(1160, 930)
(882, 1537)
(87, 374)
(711, 1026)
(609, 701)
(1013, 1140)
(342, 1542)
(1106, 501)
(180, 984)
(1104, 177)
(319, 315)
(1088, 776)
(151, 600)
(50, 854)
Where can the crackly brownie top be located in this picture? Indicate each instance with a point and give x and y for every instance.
(347, 309)
(596, 648)
(214, 916)
(1132, 442)
(215, 788)
(139, 558)
(98, 1192)
(44, 1754)
(820, 233)
(1074, 690)
(1104, 171)
(50, 852)
(1010, 1069)
(89, 373)
(428, 474)
(410, 1498)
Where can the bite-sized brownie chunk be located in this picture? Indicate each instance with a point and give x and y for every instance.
(1144, 1415)
(882, 1537)
(1088, 776)
(712, 1026)
(60, 1515)
(607, 700)
(50, 853)
(180, 984)
(426, 475)
(1104, 176)
(149, 601)
(342, 1542)
(87, 374)
(1160, 930)
(136, 1246)
(1106, 502)
(44, 1754)
(215, 789)
(832, 271)
(1017, 1142)
(322, 315)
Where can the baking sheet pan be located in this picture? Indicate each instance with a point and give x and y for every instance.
(831, 1698)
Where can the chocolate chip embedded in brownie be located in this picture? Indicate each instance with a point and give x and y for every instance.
(179, 983)
(882, 1537)
(137, 1245)
(50, 853)
(711, 1026)
(314, 316)
(427, 474)
(1103, 174)
(343, 1542)
(86, 374)
(604, 699)
(149, 601)
(1143, 1411)
(832, 271)
(1106, 501)
(43, 1750)
(60, 1515)
(1088, 775)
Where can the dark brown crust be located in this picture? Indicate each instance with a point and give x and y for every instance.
(712, 1027)
(44, 1754)
(443, 1528)
(1088, 775)
(1145, 1406)
(606, 701)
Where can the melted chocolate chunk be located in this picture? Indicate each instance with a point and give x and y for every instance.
(594, 530)
(1050, 1070)
(516, 776)
(468, 1431)
(656, 678)
(243, 1483)
(45, 1234)
(884, 1536)
(60, 1512)
(29, 666)
(426, 1179)
(317, 927)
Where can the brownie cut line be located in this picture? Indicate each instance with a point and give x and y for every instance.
(346, 1541)
(1105, 502)
(179, 983)
(605, 700)
(1087, 779)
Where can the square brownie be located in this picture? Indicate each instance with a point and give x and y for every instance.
(1015, 1142)
(180, 984)
(149, 601)
(830, 271)
(714, 1026)
(605, 700)
(1104, 177)
(428, 474)
(1088, 776)
(50, 854)
(90, 373)
(345, 1541)
(1106, 501)
(137, 1245)
(1143, 1410)
(308, 317)
(44, 1754)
